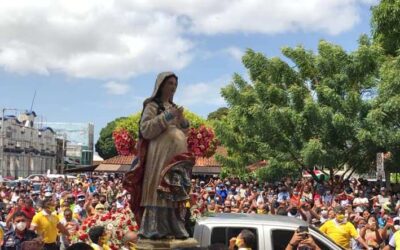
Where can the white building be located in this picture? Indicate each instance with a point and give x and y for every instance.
(24, 148)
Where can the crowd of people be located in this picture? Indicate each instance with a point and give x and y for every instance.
(55, 214)
(62, 214)
(355, 213)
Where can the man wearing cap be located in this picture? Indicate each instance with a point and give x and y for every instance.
(35, 197)
(341, 231)
(79, 208)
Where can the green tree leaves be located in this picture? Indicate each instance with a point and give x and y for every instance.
(311, 114)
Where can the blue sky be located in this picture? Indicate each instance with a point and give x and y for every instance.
(94, 61)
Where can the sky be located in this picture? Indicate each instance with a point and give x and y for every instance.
(96, 60)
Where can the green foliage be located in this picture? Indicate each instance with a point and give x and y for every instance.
(195, 120)
(312, 114)
(385, 115)
(218, 114)
(131, 124)
(105, 144)
(385, 25)
(276, 171)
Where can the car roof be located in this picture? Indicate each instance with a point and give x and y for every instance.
(250, 219)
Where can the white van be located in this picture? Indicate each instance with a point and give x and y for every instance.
(272, 232)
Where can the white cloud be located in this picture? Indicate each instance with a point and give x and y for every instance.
(203, 93)
(120, 39)
(235, 52)
(115, 88)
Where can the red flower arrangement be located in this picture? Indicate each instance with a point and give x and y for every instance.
(202, 142)
(117, 224)
(124, 142)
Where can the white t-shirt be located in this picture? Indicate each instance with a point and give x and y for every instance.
(358, 201)
(382, 199)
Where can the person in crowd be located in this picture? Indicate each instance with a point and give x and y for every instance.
(18, 207)
(383, 197)
(19, 233)
(302, 241)
(246, 240)
(48, 226)
(98, 237)
(341, 231)
(370, 233)
(71, 224)
(129, 241)
(79, 246)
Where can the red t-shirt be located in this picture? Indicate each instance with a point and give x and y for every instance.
(30, 212)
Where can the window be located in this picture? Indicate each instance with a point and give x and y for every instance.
(224, 234)
(280, 239)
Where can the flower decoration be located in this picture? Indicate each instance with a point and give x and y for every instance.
(117, 224)
(202, 142)
(124, 142)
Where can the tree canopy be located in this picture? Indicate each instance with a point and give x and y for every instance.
(385, 25)
(105, 145)
(307, 110)
(385, 115)
(218, 114)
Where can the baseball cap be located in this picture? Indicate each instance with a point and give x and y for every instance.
(48, 194)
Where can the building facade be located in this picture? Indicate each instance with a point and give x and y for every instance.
(24, 148)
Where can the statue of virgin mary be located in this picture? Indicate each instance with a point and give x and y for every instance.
(160, 180)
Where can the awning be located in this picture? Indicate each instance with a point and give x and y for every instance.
(112, 168)
(206, 170)
(80, 169)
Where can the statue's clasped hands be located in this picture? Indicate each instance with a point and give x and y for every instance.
(177, 112)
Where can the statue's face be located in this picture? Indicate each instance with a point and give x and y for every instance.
(169, 87)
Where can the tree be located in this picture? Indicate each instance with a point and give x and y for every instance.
(105, 144)
(131, 123)
(218, 114)
(384, 117)
(312, 114)
(385, 25)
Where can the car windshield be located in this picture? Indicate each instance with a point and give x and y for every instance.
(316, 229)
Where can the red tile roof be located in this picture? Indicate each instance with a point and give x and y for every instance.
(120, 160)
(211, 162)
(200, 162)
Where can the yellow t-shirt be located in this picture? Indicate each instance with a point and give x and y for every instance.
(46, 226)
(1, 236)
(340, 233)
(395, 241)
